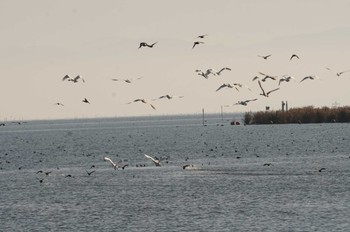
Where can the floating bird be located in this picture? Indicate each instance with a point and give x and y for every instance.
(263, 91)
(59, 104)
(244, 103)
(85, 101)
(265, 57)
(155, 160)
(69, 175)
(202, 36)
(322, 169)
(89, 173)
(294, 55)
(340, 73)
(267, 164)
(115, 165)
(187, 166)
(144, 44)
(2, 124)
(41, 180)
(309, 77)
(143, 101)
(197, 43)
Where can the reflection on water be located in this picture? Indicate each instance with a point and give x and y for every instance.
(228, 189)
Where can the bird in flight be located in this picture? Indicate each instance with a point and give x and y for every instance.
(226, 86)
(74, 80)
(265, 77)
(309, 77)
(155, 160)
(285, 78)
(294, 56)
(143, 101)
(340, 73)
(265, 57)
(129, 81)
(202, 36)
(197, 43)
(206, 74)
(245, 102)
(85, 101)
(266, 94)
(219, 72)
(115, 165)
(144, 44)
(168, 96)
(59, 104)
(89, 173)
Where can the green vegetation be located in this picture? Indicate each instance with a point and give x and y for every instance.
(307, 114)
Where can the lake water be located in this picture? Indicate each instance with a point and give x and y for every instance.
(228, 189)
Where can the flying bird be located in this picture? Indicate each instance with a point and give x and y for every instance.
(155, 161)
(225, 68)
(66, 77)
(227, 86)
(286, 79)
(245, 103)
(294, 56)
(129, 81)
(168, 96)
(266, 77)
(206, 73)
(144, 44)
(59, 104)
(265, 57)
(309, 77)
(85, 101)
(340, 73)
(202, 36)
(197, 43)
(142, 101)
(89, 173)
(266, 94)
(115, 165)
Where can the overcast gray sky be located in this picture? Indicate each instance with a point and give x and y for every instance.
(43, 40)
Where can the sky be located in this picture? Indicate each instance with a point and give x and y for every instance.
(44, 40)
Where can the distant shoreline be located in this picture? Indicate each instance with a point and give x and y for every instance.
(308, 114)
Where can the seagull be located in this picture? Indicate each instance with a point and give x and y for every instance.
(286, 79)
(267, 164)
(126, 80)
(69, 175)
(241, 85)
(155, 161)
(228, 86)
(263, 91)
(74, 80)
(85, 101)
(168, 96)
(143, 101)
(322, 169)
(294, 55)
(207, 73)
(265, 57)
(197, 43)
(202, 36)
(267, 77)
(244, 103)
(66, 77)
(59, 104)
(144, 44)
(309, 77)
(340, 73)
(115, 165)
(225, 68)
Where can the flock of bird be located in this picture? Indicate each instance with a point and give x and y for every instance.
(208, 73)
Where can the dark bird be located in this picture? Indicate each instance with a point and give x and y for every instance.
(267, 164)
(144, 44)
(187, 166)
(285, 79)
(202, 36)
(265, 77)
(263, 91)
(197, 43)
(66, 77)
(143, 101)
(59, 104)
(206, 74)
(169, 97)
(244, 103)
(340, 73)
(89, 173)
(226, 86)
(265, 57)
(69, 175)
(74, 80)
(129, 81)
(309, 77)
(85, 101)
(294, 55)
(225, 68)
(40, 180)
(48, 173)
(2, 124)
(92, 166)
(322, 169)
